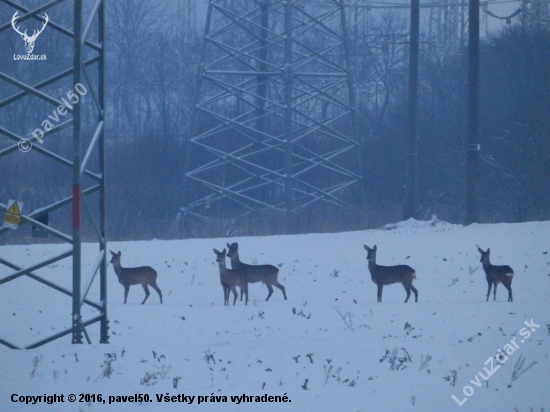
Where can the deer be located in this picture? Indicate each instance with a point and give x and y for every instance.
(127, 277)
(230, 279)
(29, 40)
(388, 275)
(267, 274)
(496, 274)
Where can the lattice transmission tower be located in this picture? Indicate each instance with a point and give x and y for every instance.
(448, 22)
(540, 11)
(67, 88)
(274, 123)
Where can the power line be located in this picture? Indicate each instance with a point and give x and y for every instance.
(507, 18)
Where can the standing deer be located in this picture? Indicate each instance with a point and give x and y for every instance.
(267, 274)
(127, 277)
(496, 274)
(29, 40)
(230, 279)
(388, 275)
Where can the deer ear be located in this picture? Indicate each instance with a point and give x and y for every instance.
(112, 253)
(366, 247)
(228, 245)
(488, 250)
(480, 250)
(215, 251)
(119, 253)
(224, 251)
(374, 248)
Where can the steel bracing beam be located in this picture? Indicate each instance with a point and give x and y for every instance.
(274, 120)
(87, 49)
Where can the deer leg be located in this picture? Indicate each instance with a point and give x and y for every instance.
(379, 294)
(225, 295)
(154, 286)
(270, 288)
(489, 291)
(146, 289)
(245, 289)
(281, 287)
(495, 292)
(408, 290)
(415, 291)
(509, 287)
(242, 293)
(126, 290)
(235, 294)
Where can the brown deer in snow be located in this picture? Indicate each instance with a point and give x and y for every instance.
(267, 274)
(230, 279)
(127, 277)
(496, 274)
(388, 275)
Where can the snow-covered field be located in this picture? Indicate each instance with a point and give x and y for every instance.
(329, 347)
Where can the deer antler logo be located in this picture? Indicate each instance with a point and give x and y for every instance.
(29, 40)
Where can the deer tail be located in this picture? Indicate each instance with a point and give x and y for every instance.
(414, 275)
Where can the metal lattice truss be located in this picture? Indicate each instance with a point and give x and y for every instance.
(449, 22)
(275, 110)
(88, 56)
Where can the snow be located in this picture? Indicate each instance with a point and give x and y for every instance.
(330, 331)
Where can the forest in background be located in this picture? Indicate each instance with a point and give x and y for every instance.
(151, 79)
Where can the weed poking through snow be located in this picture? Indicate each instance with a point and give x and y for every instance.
(397, 362)
(35, 361)
(301, 313)
(451, 378)
(107, 365)
(519, 369)
(152, 378)
(348, 321)
(424, 360)
(328, 368)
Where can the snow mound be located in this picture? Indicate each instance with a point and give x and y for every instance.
(411, 223)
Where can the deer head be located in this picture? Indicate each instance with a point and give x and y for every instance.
(220, 257)
(232, 249)
(371, 253)
(115, 259)
(29, 40)
(485, 256)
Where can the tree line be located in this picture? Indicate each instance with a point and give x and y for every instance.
(152, 63)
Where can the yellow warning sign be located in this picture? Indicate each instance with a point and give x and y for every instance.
(14, 209)
(12, 217)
